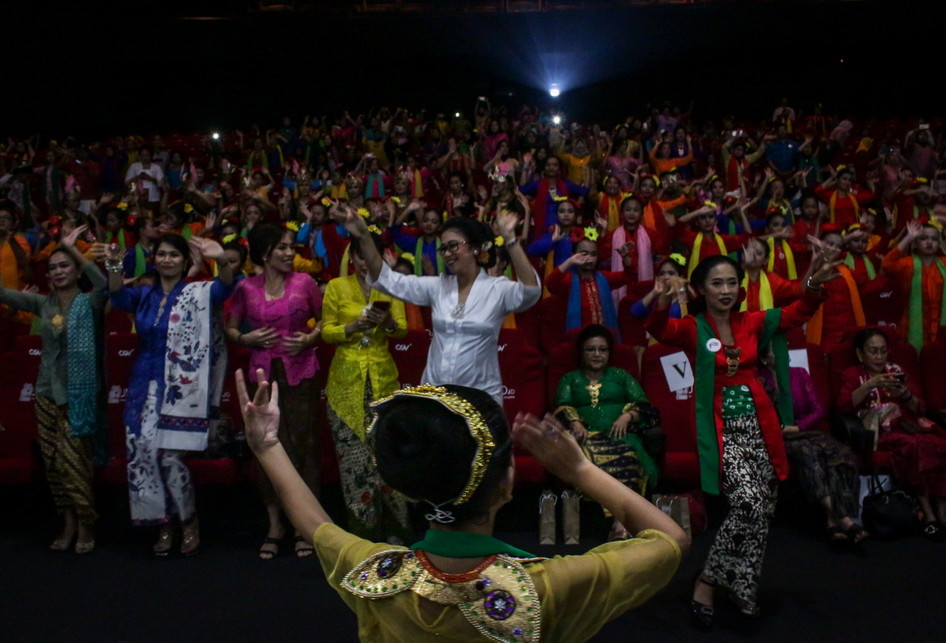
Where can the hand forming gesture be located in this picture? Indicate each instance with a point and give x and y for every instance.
(261, 415)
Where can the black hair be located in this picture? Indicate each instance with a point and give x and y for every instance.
(459, 176)
(771, 216)
(375, 239)
(177, 242)
(679, 267)
(425, 450)
(6, 205)
(476, 233)
(264, 238)
(701, 273)
(590, 332)
(239, 247)
(865, 334)
(761, 242)
(631, 197)
(403, 262)
(702, 270)
(140, 223)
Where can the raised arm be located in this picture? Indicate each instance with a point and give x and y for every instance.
(358, 230)
(506, 222)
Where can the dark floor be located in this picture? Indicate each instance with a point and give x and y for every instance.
(896, 593)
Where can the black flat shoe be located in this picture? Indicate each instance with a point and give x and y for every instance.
(701, 615)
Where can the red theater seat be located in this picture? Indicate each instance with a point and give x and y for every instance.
(410, 355)
(120, 354)
(883, 305)
(18, 462)
(520, 363)
(551, 317)
(680, 465)
(932, 359)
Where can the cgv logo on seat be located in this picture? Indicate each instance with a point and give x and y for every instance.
(500, 349)
(402, 347)
(34, 352)
(128, 352)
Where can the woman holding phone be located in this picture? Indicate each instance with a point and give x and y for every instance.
(278, 305)
(359, 320)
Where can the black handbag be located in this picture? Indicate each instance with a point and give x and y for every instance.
(889, 514)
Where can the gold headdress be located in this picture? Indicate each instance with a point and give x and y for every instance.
(475, 422)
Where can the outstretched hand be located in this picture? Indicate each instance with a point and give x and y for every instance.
(207, 248)
(261, 416)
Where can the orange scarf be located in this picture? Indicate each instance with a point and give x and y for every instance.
(9, 271)
(815, 325)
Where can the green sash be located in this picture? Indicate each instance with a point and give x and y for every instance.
(419, 257)
(868, 265)
(915, 331)
(707, 440)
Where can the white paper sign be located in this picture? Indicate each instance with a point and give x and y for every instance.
(798, 358)
(677, 371)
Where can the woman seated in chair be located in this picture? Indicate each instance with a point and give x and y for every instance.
(605, 409)
(827, 469)
(884, 397)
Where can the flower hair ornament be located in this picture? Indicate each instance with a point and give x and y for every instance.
(482, 257)
(477, 426)
(854, 227)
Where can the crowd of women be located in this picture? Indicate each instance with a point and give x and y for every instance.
(352, 231)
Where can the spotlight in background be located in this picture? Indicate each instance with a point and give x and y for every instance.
(215, 136)
(557, 120)
(554, 91)
(457, 114)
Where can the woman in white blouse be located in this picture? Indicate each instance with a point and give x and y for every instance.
(468, 306)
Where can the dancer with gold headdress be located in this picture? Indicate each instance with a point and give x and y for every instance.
(449, 448)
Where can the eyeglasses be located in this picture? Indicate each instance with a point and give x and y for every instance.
(451, 247)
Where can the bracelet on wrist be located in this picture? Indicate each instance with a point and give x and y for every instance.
(510, 244)
(114, 266)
